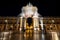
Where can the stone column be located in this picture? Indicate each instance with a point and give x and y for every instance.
(33, 22)
(25, 23)
(36, 23)
(21, 18)
(41, 20)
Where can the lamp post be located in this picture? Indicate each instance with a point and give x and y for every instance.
(6, 24)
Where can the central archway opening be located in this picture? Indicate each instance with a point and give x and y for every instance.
(29, 27)
(29, 21)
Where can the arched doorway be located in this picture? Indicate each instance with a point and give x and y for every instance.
(29, 25)
(29, 21)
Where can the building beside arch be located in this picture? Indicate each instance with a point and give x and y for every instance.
(29, 18)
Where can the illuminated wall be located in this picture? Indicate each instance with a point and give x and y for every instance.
(47, 22)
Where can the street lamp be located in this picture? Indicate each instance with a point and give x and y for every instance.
(53, 21)
(6, 21)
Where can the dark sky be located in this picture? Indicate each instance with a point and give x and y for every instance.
(13, 7)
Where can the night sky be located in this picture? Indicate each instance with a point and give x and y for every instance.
(13, 7)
